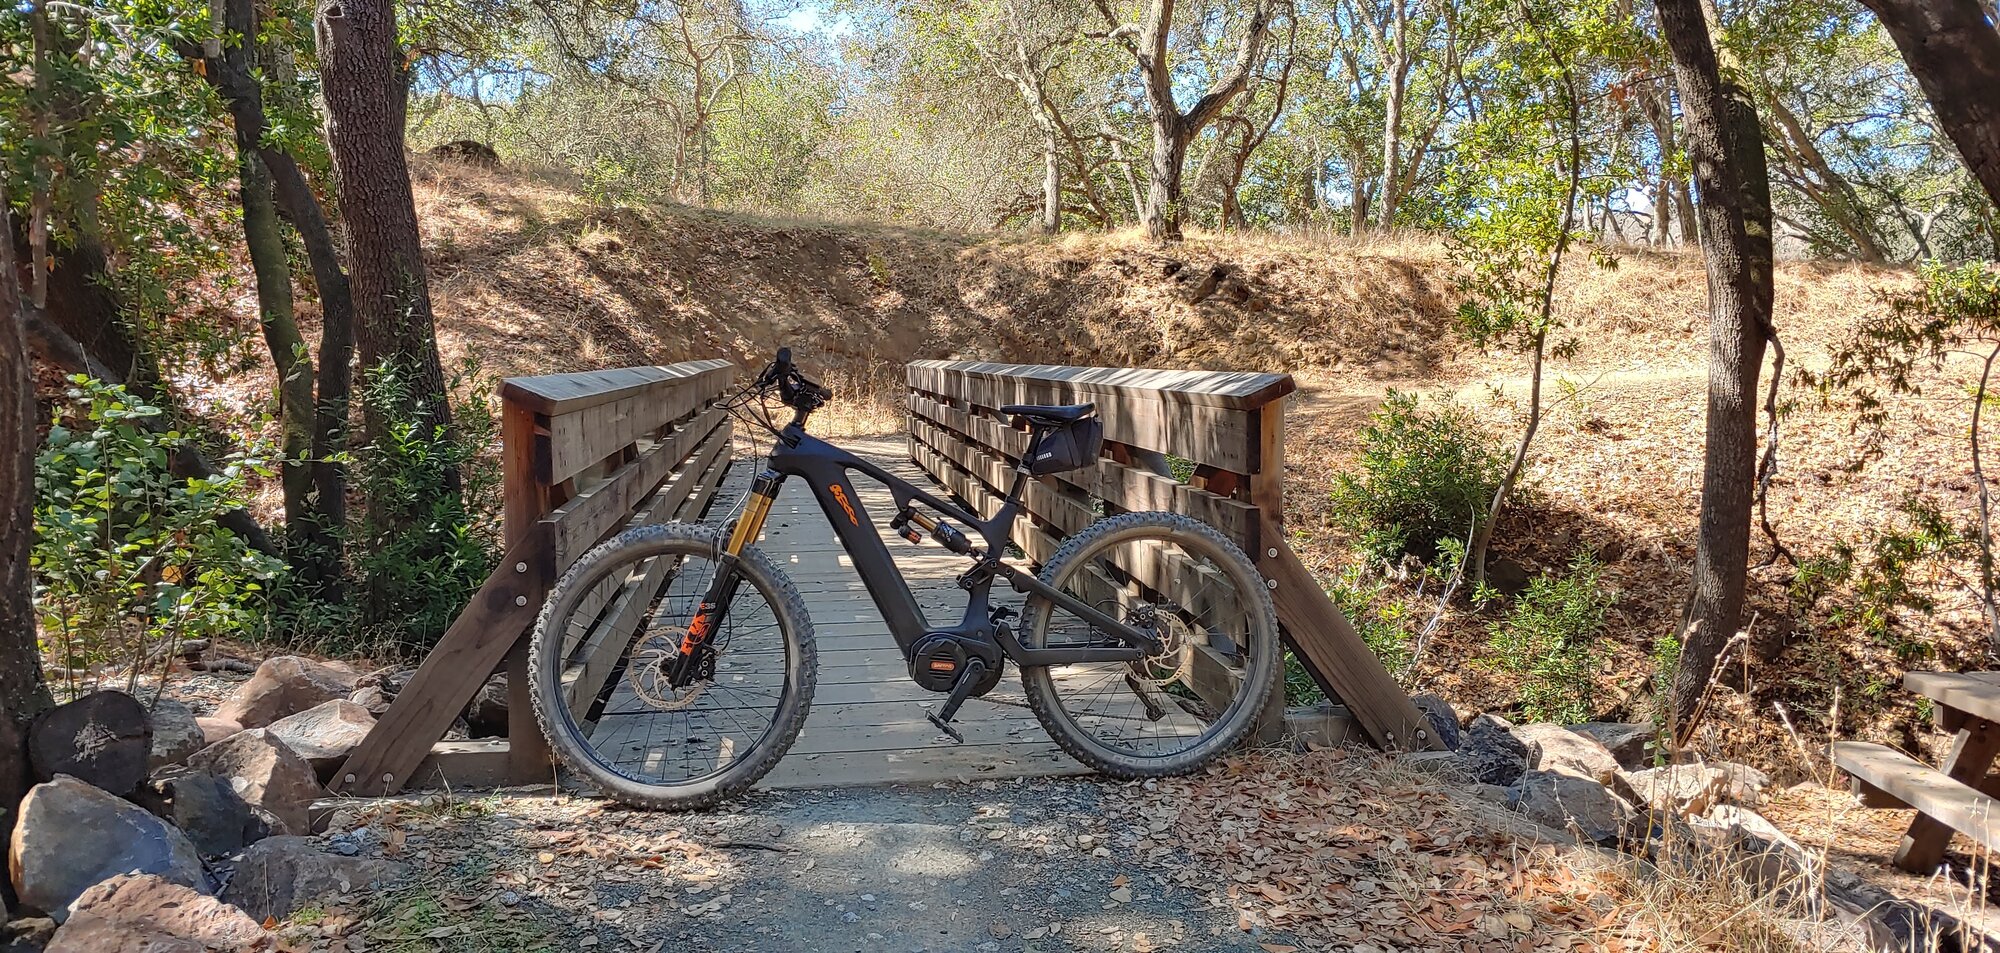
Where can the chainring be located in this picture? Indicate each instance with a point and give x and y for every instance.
(646, 671)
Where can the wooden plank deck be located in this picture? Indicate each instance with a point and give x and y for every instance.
(867, 724)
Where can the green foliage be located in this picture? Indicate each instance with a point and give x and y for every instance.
(1426, 476)
(1548, 642)
(1382, 620)
(1875, 582)
(129, 558)
(423, 551)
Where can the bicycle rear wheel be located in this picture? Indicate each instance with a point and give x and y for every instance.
(599, 669)
(1175, 711)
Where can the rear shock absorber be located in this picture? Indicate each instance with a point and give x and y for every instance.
(908, 521)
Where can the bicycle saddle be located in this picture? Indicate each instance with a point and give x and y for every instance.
(1049, 414)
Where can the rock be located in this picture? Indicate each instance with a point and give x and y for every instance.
(389, 680)
(486, 715)
(1558, 749)
(1490, 754)
(158, 914)
(215, 730)
(207, 809)
(97, 935)
(265, 772)
(27, 935)
(324, 734)
(1677, 788)
(176, 734)
(1443, 718)
(1446, 765)
(278, 875)
(72, 836)
(286, 685)
(1576, 804)
(1745, 784)
(1629, 742)
(103, 739)
(372, 697)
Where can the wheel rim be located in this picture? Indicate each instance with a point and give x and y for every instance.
(1195, 600)
(638, 726)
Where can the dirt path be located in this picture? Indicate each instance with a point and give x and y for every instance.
(1027, 865)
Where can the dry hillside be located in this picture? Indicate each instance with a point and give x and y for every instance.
(530, 278)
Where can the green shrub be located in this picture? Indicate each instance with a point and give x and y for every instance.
(1425, 475)
(424, 552)
(1549, 642)
(1884, 573)
(128, 558)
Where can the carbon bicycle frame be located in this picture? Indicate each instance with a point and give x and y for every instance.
(826, 467)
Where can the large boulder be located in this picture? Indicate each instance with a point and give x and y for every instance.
(1558, 749)
(324, 734)
(176, 734)
(207, 809)
(104, 739)
(1568, 802)
(144, 912)
(1693, 789)
(72, 836)
(265, 772)
(1443, 719)
(486, 714)
(1629, 742)
(1490, 754)
(287, 685)
(215, 730)
(278, 875)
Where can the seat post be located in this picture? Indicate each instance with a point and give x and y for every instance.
(1021, 475)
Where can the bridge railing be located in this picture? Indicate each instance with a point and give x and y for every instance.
(1206, 444)
(583, 456)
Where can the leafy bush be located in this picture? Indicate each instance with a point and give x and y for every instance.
(128, 558)
(1549, 642)
(423, 552)
(1425, 475)
(1885, 572)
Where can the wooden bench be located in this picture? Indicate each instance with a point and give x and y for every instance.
(1954, 798)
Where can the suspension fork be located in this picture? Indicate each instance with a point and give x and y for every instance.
(722, 589)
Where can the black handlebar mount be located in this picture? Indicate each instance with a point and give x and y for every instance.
(798, 392)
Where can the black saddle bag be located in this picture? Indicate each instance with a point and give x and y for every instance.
(1068, 447)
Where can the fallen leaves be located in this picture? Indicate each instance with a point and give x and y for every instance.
(1333, 849)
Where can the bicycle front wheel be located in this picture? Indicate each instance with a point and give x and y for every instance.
(601, 658)
(1175, 711)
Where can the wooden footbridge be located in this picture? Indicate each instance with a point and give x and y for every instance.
(587, 455)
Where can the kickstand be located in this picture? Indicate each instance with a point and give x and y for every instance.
(960, 691)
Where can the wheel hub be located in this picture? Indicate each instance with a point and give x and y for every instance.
(646, 671)
(1175, 660)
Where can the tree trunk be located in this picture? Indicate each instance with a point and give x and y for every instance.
(272, 186)
(23, 694)
(1398, 73)
(1725, 146)
(361, 75)
(1051, 186)
(1163, 184)
(1954, 51)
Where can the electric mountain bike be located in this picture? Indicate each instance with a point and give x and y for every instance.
(674, 664)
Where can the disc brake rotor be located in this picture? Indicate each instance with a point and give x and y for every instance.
(1175, 660)
(646, 670)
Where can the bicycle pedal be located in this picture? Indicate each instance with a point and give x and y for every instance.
(945, 726)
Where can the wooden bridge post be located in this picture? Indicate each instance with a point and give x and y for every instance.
(1226, 428)
(582, 457)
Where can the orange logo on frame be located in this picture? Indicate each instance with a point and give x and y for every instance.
(840, 496)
